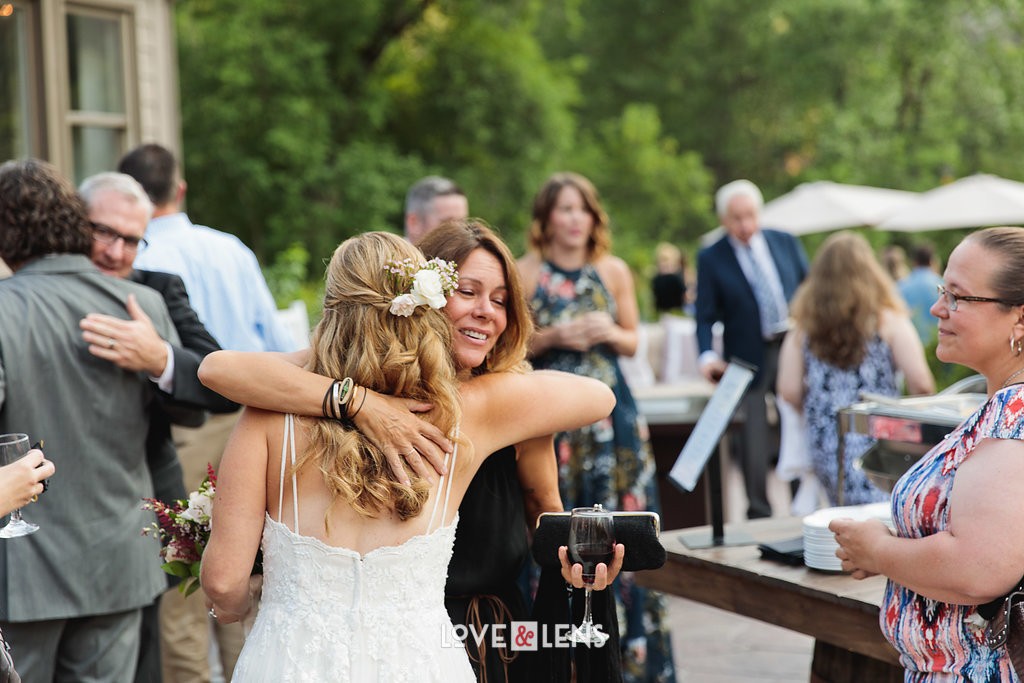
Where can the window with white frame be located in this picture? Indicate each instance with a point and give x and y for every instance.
(98, 87)
(67, 82)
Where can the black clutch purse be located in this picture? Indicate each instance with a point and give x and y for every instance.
(637, 531)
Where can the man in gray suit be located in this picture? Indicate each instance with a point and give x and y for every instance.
(71, 594)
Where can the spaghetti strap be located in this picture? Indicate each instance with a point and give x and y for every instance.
(445, 486)
(288, 445)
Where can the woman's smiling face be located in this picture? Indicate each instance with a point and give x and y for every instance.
(975, 334)
(477, 308)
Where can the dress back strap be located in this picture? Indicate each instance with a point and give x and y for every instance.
(444, 487)
(288, 446)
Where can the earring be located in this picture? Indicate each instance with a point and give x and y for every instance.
(1016, 346)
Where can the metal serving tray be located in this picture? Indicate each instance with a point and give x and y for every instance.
(906, 428)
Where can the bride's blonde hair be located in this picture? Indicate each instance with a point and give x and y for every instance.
(404, 356)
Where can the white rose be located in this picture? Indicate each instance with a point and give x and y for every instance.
(200, 507)
(403, 305)
(428, 289)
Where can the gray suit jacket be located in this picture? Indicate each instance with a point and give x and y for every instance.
(88, 556)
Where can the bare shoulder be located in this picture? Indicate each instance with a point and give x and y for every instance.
(993, 464)
(266, 421)
(613, 269)
(529, 270)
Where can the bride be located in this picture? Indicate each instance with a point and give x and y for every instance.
(355, 561)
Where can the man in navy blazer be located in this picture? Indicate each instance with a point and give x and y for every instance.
(745, 281)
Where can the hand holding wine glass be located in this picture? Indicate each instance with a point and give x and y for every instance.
(591, 541)
(20, 480)
(604, 575)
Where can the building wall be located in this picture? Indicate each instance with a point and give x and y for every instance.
(94, 78)
(157, 58)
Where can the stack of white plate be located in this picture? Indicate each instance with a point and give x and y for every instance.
(820, 543)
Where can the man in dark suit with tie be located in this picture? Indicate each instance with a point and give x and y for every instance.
(745, 281)
(120, 211)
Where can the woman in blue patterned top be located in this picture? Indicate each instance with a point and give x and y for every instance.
(851, 334)
(959, 512)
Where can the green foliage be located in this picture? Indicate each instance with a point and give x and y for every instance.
(289, 280)
(287, 274)
(474, 96)
(306, 122)
(654, 191)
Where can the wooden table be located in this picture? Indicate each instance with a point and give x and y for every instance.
(839, 612)
(671, 412)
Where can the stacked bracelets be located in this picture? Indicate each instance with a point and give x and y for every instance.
(340, 395)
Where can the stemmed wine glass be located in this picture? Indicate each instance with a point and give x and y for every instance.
(591, 541)
(13, 447)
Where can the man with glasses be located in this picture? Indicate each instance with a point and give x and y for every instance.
(119, 211)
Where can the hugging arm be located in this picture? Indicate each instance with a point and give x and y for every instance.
(504, 408)
(238, 513)
(275, 381)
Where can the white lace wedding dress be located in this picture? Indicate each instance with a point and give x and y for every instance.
(330, 614)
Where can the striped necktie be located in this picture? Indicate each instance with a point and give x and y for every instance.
(767, 304)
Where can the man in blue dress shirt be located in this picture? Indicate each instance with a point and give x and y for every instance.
(919, 291)
(226, 288)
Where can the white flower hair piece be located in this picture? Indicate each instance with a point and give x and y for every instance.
(429, 284)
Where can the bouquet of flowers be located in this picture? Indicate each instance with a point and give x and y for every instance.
(183, 528)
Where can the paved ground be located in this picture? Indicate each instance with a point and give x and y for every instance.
(714, 646)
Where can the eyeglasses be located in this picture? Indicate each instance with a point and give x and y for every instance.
(953, 300)
(105, 234)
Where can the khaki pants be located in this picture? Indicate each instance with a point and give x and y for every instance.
(185, 627)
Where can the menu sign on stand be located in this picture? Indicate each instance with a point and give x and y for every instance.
(698, 451)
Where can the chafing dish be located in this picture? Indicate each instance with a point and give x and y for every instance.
(905, 429)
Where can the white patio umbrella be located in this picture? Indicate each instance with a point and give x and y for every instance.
(972, 202)
(824, 205)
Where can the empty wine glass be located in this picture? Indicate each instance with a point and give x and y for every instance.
(591, 541)
(13, 447)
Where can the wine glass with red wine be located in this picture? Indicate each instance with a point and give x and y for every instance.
(591, 541)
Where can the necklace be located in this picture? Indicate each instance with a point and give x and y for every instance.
(1007, 382)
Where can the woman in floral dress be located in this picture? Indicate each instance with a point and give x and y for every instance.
(959, 512)
(585, 309)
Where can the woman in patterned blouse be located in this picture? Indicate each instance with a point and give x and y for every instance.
(959, 512)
